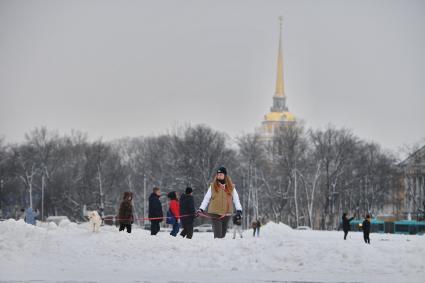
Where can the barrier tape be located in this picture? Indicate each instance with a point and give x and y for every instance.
(165, 217)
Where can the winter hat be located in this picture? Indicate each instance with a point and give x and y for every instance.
(188, 190)
(172, 195)
(222, 170)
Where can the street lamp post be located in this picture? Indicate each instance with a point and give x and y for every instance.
(42, 197)
(1, 198)
(144, 198)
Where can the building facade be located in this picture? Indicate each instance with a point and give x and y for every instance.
(413, 184)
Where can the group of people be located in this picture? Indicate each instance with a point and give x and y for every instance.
(365, 227)
(220, 198)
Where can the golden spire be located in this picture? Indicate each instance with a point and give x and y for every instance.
(280, 90)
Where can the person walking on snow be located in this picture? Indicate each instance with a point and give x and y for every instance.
(366, 229)
(30, 216)
(256, 226)
(125, 215)
(220, 197)
(155, 210)
(346, 224)
(187, 208)
(173, 214)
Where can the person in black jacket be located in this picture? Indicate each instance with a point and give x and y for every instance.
(366, 229)
(187, 209)
(155, 210)
(346, 224)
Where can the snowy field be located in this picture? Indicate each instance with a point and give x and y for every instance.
(70, 253)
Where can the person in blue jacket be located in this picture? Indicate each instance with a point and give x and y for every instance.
(30, 216)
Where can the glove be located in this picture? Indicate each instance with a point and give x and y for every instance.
(199, 211)
(239, 212)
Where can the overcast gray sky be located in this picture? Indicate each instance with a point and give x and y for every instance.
(130, 68)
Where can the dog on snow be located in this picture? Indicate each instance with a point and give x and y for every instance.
(94, 221)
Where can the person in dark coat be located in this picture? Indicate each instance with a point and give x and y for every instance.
(155, 210)
(366, 229)
(346, 224)
(256, 227)
(125, 216)
(187, 209)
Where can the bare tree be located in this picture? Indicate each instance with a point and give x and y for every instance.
(334, 148)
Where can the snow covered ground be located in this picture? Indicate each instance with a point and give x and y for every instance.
(70, 253)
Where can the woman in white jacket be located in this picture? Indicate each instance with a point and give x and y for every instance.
(220, 197)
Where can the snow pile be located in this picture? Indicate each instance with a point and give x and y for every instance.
(276, 229)
(70, 252)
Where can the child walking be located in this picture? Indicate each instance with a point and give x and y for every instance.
(173, 213)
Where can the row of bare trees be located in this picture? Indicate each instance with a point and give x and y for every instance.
(312, 177)
(302, 177)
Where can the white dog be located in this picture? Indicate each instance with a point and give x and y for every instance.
(94, 221)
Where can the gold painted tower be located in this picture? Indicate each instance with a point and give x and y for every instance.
(279, 114)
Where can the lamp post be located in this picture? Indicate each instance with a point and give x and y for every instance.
(1, 198)
(42, 196)
(144, 198)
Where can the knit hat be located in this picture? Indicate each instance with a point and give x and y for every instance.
(222, 170)
(188, 190)
(172, 195)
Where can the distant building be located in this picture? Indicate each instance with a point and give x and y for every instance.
(279, 114)
(413, 183)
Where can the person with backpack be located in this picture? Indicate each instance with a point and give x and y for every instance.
(220, 197)
(155, 210)
(173, 213)
(187, 208)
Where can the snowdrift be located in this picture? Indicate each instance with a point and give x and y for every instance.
(70, 252)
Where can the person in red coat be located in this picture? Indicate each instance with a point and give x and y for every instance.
(173, 214)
